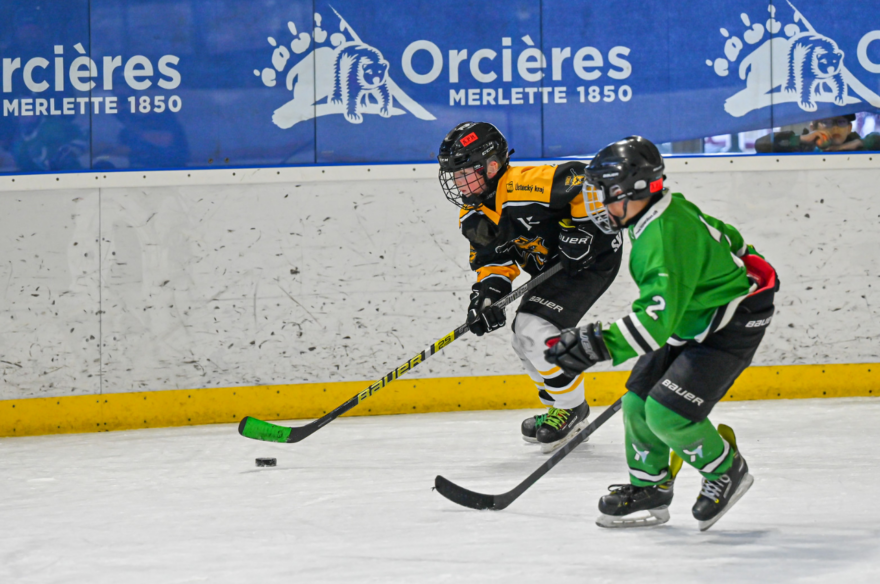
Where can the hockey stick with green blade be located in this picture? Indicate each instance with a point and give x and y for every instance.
(474, 500)
(250, 427)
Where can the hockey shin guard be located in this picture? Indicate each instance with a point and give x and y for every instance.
(697, 443)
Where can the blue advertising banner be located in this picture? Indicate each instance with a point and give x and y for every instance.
(45, 66)
(167, 84)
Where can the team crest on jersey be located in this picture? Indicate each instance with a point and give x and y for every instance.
(348, 77)
(527, 248)
(793, 63)
(573, 180)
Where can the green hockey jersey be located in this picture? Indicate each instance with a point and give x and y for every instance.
(690, 277)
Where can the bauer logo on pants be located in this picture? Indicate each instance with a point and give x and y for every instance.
(547, 303)
(348, 77)
(789, 63)
(682, 392)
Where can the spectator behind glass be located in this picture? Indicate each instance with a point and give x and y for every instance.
(149, 140)
(826, 135)
(47, 143)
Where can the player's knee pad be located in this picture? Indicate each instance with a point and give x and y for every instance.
(529, 334)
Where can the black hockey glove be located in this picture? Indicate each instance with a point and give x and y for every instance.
(575, 247)
(482, 317)
(577, 349)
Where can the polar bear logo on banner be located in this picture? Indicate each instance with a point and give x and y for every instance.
(800, 66)
(814, 60)
(361, 71)
(349, 77)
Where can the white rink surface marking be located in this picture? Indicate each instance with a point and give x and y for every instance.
(353, 503)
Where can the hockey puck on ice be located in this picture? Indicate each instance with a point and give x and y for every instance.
(266, 462)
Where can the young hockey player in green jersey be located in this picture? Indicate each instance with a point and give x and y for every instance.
(705, 301)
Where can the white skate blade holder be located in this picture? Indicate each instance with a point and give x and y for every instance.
(648, 518)
(530, 440)
(554, 446)
(743, 488)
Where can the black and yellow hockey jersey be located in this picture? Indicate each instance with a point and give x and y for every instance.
(518, 228)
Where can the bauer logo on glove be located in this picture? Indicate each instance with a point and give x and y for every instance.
(575, 246)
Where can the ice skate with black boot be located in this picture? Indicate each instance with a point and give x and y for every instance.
(718, 496)
(530, 428)
(632, 506)
(560, 426)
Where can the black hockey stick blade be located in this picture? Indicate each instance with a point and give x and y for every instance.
(474, 500)
(464, 497)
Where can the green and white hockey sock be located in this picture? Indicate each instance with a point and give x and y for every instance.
(652, 430)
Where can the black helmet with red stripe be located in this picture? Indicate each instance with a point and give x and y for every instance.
(630, 169)
(465, 156)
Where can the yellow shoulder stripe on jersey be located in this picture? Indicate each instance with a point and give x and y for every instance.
(525, 183)
(578, 208)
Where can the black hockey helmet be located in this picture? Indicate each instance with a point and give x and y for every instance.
(630, 169)
(471, 146)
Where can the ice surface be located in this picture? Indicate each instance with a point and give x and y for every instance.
(353, 503)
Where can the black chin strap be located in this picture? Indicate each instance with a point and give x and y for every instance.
(635, 218)
(491, 184)
(619, 223)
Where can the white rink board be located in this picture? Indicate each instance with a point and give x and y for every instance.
(316, 281)
(353, 503)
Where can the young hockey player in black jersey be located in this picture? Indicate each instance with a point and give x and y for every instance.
(528, 218)
(705, 301)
